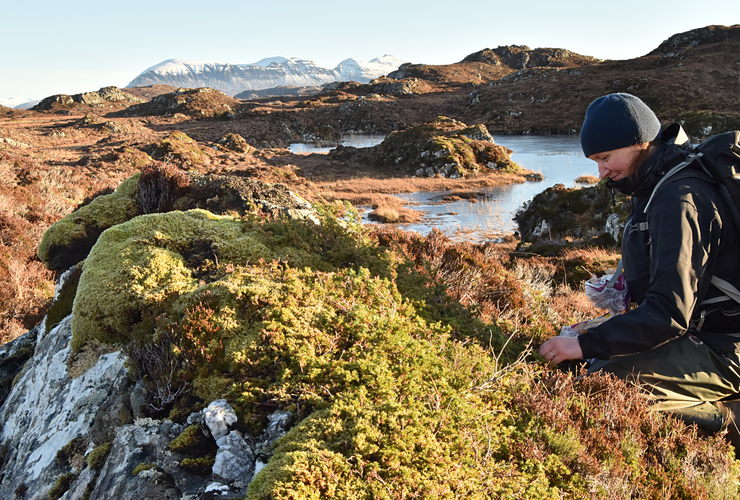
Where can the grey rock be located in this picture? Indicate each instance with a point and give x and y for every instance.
(13, 357)
(218, 416)
(235, 459)
(145, 442)
(279, 423)
(46, 409)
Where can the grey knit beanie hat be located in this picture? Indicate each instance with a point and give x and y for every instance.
(616, 121)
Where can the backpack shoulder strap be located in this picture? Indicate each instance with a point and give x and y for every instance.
(689, 159)
(729, 290)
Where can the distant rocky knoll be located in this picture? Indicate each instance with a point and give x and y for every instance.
(198, 103)
(283, 91)
(692, 78)
(105, 95)
(445, 147)
(680, 44)
(492, 64)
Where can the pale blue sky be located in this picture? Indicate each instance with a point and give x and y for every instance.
(72, 46)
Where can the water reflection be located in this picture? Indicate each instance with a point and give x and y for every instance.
(558, 158)
(356, 140)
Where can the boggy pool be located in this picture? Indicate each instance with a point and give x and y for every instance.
(558, 158)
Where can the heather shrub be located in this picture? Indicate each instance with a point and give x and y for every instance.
(387, 350)
(160, 184)
(32, 196)
(598, 434)
(517, 295)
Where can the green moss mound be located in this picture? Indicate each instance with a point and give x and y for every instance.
(142, 265)
(397, 390)
(67, 242)
(159, 188)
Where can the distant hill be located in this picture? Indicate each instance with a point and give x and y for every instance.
(286, 91)
(492, 64)
(267, 73)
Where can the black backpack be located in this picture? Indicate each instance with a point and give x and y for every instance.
(719, 157)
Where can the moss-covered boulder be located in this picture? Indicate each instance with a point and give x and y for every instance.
(236, 143)
(702, 124)
(141, 265)
(162, 187)
(571, 217)
(445, 147)
(69, 240)
(178, 146)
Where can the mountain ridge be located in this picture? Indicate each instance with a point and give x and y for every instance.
(266, 73)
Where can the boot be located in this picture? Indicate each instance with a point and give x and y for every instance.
(731, 413)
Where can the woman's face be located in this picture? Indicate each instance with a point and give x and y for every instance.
(619, 163)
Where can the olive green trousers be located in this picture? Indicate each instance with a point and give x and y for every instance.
(685, 376)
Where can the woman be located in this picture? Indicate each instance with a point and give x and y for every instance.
(678, 236)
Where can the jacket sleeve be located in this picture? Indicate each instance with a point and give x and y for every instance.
(683, 228)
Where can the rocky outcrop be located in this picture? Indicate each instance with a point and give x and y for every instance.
(519, 57)
(13, 356)
(490, 65)
(201, 102)
(444, 147)
(571, 217)
(678, 44)
(283, 91)
(407, 86)
(48, 408)
(73, 427)
(102, 96)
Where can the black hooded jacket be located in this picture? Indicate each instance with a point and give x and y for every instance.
(670, 253)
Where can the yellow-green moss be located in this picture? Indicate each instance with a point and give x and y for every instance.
(83, 226)
(201, 466)
(61, 485)
(139, 266)
(142, 467)
(189, 440)
(180, 146)
(96, 459)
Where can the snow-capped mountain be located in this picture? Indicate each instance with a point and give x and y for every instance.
(267, 73)
(18, 103)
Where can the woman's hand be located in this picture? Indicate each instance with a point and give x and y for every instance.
(558, 349)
